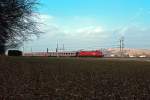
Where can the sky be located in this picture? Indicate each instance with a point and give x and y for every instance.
(92, 24)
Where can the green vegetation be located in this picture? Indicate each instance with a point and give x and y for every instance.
(33, 78)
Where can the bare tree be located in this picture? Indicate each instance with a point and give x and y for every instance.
(16, 22)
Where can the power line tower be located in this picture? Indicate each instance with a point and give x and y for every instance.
(122, 45)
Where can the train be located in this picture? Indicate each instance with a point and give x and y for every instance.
(93, 53)
(96, 53)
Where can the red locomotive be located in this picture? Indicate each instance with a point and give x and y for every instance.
(96, 53)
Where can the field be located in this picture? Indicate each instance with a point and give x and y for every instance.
(34, 78)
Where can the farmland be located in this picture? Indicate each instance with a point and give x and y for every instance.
(35, 78)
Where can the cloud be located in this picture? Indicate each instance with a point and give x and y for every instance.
(76, 34)
(136, 36)
(90, 30)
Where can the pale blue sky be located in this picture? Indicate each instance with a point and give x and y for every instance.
(100, 9)
(93, 24)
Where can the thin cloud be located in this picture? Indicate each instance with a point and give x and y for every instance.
(78, 35)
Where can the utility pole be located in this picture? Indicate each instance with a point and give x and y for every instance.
(57, 49)
(121, 46)
(23, 50)
(47, 50)
(31, 51)
(63, 47)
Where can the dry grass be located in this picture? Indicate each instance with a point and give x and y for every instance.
(73, 79)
